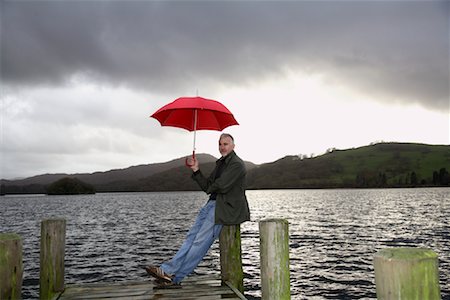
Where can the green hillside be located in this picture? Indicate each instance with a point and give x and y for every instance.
(379, 165)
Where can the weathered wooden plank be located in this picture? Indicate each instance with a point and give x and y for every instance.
(105, 292)
(113, 292)
(178, 294)
(198, 287)
(231, 256)
(407, 273)
(11, 266)
(53, 241)
(274, 257)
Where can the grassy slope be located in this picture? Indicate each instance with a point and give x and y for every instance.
(341, 167)
(395, 160)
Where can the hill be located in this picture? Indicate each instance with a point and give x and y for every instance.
(114, 180)
(379, 165)
(70, 186)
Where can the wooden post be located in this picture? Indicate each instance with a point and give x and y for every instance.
(274, 256)
(53, 243)
(406, 273)
(230, 256)
(11, 268)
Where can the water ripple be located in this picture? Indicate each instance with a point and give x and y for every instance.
(333, 235)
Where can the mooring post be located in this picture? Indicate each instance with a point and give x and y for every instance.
(274, 256)
(406, 273)
(231, 257)
(53, 243)
(11, 268)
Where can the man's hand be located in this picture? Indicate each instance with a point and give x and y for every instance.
(192, 163)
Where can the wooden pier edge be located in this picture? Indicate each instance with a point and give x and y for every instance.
(53, 233)
(199, 287)
(274, 259)
(419, 266)
(53, 241)
(407, 273)
(231, 256)
(235, 290)
(11, 266)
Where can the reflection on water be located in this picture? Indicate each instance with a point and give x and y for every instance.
(333, 234)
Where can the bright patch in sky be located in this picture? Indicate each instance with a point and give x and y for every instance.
(307, 115)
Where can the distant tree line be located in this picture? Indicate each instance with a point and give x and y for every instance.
(441, 178)
(64, 186)
(22, 189)
(410, 179)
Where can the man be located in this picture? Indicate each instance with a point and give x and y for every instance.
(227, 205)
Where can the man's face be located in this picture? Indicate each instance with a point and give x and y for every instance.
(226, 145)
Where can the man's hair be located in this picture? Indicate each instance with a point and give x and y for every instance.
(224, 135)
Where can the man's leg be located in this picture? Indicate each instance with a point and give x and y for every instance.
(173, 265)
(206, 235)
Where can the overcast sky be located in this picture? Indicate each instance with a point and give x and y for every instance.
(79, 79)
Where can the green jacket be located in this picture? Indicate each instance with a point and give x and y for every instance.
(231, 202)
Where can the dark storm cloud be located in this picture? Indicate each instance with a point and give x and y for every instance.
(397, 51)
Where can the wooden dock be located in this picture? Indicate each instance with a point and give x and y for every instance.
(229, 285)
(197, 287)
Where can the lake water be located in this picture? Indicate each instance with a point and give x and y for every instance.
(334, 235)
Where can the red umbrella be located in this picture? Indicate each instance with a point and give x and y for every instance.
(195, 113)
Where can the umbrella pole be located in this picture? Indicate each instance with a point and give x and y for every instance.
(195, 132)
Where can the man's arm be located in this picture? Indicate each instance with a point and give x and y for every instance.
(227, 179)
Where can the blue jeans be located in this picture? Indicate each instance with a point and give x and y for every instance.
(198, 241)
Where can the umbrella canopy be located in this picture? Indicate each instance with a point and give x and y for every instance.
(195, 113)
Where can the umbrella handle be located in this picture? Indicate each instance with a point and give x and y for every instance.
(193, 157)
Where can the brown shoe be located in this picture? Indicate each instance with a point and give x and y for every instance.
(160, 284)
(158, 273)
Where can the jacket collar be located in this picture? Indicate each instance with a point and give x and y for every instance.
(226, 159)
